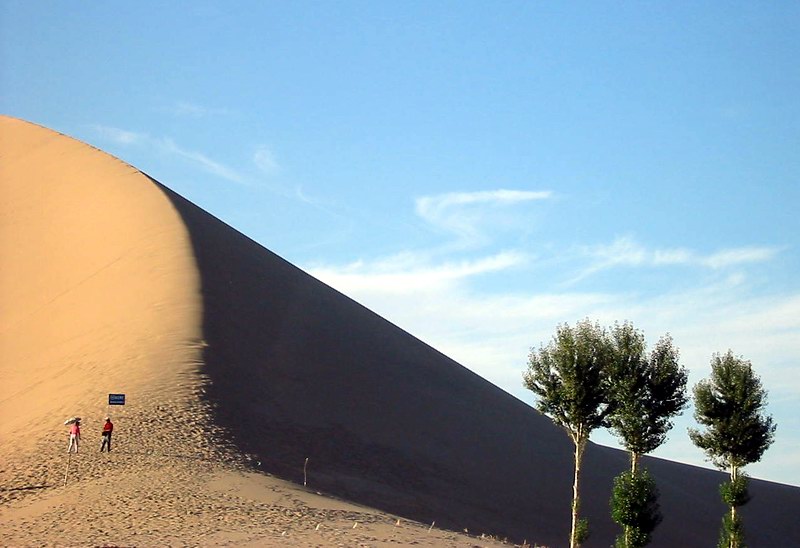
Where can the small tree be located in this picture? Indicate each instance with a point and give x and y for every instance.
(648, 391)
(730, 404)
(570, 378)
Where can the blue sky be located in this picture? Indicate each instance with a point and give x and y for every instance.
(475, 172)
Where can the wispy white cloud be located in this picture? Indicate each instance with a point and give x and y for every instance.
(432, 206)
(120, 136)
(674, 256)
(202, 161)
(738, 256)
(266, 163)
(193, 110)
(265, 160)
(167, 146)
(408, 273)
(301, 195)
(464, 213)
(627, 252)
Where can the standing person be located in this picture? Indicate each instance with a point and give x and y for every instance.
(108, 427)
(74, 435)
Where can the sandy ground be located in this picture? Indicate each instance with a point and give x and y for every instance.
(148, 499)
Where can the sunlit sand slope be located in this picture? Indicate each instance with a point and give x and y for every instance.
(99, 292)
(236, 364)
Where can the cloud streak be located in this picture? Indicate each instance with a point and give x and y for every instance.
(432, 206)
(193, 110)
(261, 171)
(464, 214)
(120, 136)
(265, 160)
(627, 252)
(407, 273)
(739, 256)
(202, 161)
(169, 147)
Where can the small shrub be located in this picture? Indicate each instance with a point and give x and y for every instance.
(734, 493)
(731, 535)
(634, 506)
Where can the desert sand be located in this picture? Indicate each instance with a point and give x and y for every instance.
(237, 367)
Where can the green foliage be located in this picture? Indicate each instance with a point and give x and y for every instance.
(730, 405)
(634, 506)
(734, 493)
(731, 535)
(647, 391)
(570, 378)
(582, 531)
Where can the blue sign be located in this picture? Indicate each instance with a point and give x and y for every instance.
(116, 399)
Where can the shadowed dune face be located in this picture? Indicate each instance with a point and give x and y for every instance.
(298, 370)
(110, 282)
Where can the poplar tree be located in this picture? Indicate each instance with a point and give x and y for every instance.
(647, 391)
(730, 404)
(570, 379)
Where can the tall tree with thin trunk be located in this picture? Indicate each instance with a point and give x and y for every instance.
(730, 404)
(570, 379)
(647, 391)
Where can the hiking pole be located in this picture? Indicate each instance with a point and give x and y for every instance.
(69, 459)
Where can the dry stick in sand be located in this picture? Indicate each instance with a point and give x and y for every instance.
(431, 527)
(305, 476)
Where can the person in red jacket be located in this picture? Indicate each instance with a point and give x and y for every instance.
(108, 427)
(74, 435)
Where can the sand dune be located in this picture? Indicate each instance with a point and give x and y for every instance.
(98, 283)
(238, 367)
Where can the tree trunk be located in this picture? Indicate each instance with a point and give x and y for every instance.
(634, 462)
(734, 476)
(573, 536)
(634, 468)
